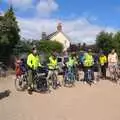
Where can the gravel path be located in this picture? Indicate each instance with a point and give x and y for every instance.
(82, 102)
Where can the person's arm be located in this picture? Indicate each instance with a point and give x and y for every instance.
(105, 59)
(109, 58)
(29, 61)
(40, 65)
(93, 60)
(39, 62)
(117, 57)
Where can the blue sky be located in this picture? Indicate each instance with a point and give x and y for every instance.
(90, 15)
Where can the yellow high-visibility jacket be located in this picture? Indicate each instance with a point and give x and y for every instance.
(89, 61)
(53, 64)
(33, 61)
(103, 60)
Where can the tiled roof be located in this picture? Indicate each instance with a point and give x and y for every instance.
(51, 35)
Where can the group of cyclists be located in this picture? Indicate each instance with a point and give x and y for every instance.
(85, 62)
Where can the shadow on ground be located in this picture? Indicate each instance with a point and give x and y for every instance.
(4, 94)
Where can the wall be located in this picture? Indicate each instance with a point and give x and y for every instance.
(62, 39)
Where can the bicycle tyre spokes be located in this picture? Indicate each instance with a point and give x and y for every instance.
(21, 83)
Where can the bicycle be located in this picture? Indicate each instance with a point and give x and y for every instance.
(21, 82)
(69, 77)
(89, 76)
(39, 82)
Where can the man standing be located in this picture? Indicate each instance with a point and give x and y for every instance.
(33, 62)
(88, 64)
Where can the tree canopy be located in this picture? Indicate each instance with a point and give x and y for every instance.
(9, 34)
(50, 46)
(107, 41)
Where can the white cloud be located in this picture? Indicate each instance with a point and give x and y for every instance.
(21, 4)
(46, 7)
(78, 30)
(41, 8)
(1, 12)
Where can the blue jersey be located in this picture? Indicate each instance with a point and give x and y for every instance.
(81, 58)
(23, 67)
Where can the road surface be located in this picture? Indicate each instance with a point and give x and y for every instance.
(82, 102)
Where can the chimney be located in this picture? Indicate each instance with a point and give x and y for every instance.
(59, 27)
(44, 36)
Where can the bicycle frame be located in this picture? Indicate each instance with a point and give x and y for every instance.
(69, 75)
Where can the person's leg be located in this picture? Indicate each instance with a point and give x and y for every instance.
(99, 72)
(76, 73)
(56, 72)
(58, 81)
(104, 71)
(49, 75)
(85, 74)
(48, 78)
(30, 78)
(116, 67)
(92, 70)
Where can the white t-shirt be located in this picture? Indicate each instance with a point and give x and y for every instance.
(112, 58)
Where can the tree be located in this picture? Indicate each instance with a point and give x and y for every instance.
(116, 42)
(11, 23)
(50, 46)
(9, 33)
(23, 46)
(104, 41)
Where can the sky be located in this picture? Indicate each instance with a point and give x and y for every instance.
(81, 20)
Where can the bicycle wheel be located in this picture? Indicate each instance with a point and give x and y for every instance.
(20, 83)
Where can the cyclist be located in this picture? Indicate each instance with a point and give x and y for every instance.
(75, 66)
(33, 62)
(103, 62)
(69, 67)
(113, 60)
(88, 64)
(52, 65)
(17, 67)
(72, 61)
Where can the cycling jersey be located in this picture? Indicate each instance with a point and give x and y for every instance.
(33, 61)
